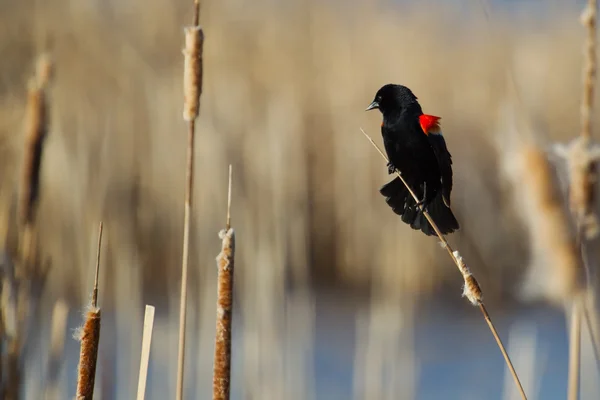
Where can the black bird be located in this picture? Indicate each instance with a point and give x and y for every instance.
(416, 148)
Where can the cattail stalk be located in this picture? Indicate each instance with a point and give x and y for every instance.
(581, 154)
(26, 269)
(593, 334)
(582, 179)
(225, 265)
(89, 335)
(471, 289)
(574, 350)
(145, 358)
(192, 88)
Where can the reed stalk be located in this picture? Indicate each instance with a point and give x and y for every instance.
(471, 288)
(145, 357)
(57, 344)
(192, 89)
(582, 184)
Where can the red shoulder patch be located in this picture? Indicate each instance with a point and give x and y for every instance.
(430, 124)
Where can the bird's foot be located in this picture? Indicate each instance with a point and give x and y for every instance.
(421, 203)
(391, 168)
(421, 207)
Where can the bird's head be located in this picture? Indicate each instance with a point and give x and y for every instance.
(393, 98)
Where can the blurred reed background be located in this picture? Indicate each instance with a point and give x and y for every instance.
(335, 298)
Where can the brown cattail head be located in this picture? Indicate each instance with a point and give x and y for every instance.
(36, 125)
(192, 72)
(222, 360)
(89, 335)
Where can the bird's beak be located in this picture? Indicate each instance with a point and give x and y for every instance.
(373, 105)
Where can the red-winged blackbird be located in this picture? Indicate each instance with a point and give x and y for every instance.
(416, 148)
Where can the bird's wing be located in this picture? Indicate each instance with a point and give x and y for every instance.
(431, 127)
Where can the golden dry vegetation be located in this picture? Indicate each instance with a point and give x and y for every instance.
(285, 87)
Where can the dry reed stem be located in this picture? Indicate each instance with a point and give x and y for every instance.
(582, 180)
(587, 300)
(9, 365)
(581, 154)
(225, 266)
(57, 344)
(574, 350)
(593, 335)
(192, 89)
(145, 357)
(95, 290)
(89, 335)
(471, 289)
(185, 259)
(228, 221)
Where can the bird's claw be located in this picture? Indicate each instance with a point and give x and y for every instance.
(421, 203)
(391, 168)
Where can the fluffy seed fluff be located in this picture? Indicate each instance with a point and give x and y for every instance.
(581, 158)
(228, 248)
(471, 289)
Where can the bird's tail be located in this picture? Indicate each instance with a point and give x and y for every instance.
(403, 204)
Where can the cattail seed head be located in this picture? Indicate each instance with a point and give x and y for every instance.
(471, 289)
(192, 72)
(89, 335)
(581, 157)
(222, 358)
(556, 266)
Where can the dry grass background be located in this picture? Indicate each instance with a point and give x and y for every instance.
(285, 86)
